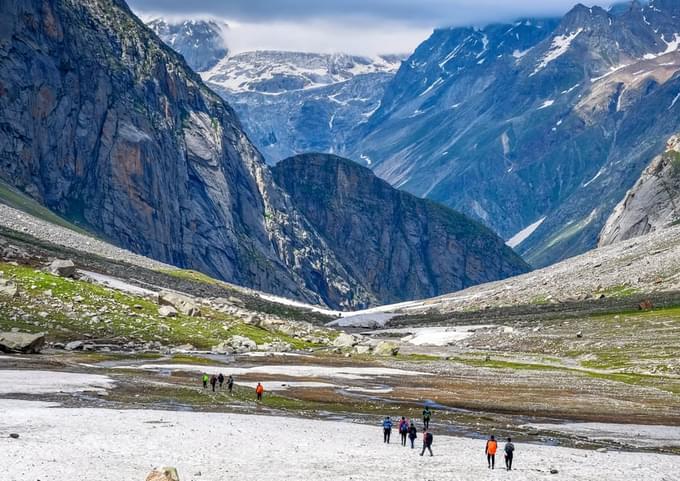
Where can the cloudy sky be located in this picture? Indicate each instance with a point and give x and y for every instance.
(355, 26)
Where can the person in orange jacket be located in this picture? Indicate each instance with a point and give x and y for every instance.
(259, 390)
(491, 448)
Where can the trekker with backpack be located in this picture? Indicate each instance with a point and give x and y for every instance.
(206, 378)
(509, 453)
(213, 382)
(220, 379)
(490, 450)
(387, 429)
(259, 391)
(427, 415)
(412, 434)
(230, 383)
(403, 430)
(427, 442)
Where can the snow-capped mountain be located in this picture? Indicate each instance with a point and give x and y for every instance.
(541, 124)
(275, 72)
(291, 102)
(201, 42)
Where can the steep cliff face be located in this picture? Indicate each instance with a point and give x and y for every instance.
(654, 201)
(398, 246)
(104, 124)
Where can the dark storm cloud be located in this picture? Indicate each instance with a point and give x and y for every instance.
(415, 12)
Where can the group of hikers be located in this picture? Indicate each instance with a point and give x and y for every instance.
(218, 380)
(408, 431)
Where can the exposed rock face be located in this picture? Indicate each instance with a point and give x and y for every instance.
(21, 342)
(538, 119)
(654, 201)
(146, 155)
(62, 267)
(398, 246)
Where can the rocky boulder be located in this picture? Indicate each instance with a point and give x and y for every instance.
(184, 304)
(345, 340)
(21, 342)
(8, 289)
(62, 268)
(386, 348)
(235, 344)
(167, 311)
(163, 474)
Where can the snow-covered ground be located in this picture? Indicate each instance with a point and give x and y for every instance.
(45, 382)
(58, 444)
(434, 336)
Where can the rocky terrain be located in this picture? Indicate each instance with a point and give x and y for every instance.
(398, 246)
(542, 123)
(654, 201)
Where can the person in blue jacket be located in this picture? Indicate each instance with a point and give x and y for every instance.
(387, 429)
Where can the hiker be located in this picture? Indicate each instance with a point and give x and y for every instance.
(220, 379)
(230, 384)
(509, 452)
(213, 381)
(403, 430)
(387, 429)
(205, 381)
(412, 434)
(427, 442)
(490, 450)
(427, 415)
(259, 390)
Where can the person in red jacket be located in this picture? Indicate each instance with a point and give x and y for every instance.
(491, 448)
(259, 390)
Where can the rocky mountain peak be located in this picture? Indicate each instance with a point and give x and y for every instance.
(202, 43)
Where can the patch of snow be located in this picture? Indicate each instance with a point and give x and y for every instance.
(115, 283)
(671, 46)
(285, 385)
(366, 159)
(571, 89)
(434, 85)
(560, 45)
(675, 100)
(546, 104)
(597, 176)
(519, 54)
(524, 234)
(611, 71)
(434, 336)
(51, 382)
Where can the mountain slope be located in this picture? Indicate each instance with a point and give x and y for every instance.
(146, 155)
(200, 42)
(652, 204)
(548, 119)
(292, 102)
(398, 246)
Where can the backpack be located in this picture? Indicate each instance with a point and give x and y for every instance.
(428, 439)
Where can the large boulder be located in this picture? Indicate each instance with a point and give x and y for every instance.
(21, 342)
(386, 348)
(345, 340)
(62, 268)
(241, 344)
(163, 474)
(184, 304)
(167, 311)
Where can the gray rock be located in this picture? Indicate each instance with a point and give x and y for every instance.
(62, 268)
(386, 348)
(184, 304)
(74, 345)
(21, 342)
(14, 436)
(8, 289)
(345, 340)
(163, 474)
(167, 311)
